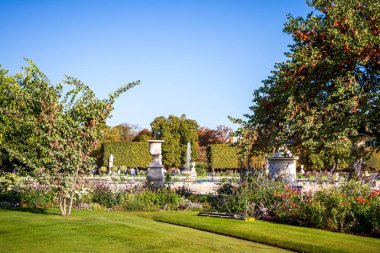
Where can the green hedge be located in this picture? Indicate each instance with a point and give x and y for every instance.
(130, 154)
(223, 156)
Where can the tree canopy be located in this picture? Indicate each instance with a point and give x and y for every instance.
(176, 132)
(328, 88)
(45, 128)
(221, 135)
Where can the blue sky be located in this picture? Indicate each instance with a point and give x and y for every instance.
(199, 58)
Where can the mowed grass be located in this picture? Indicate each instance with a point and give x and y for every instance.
(284, 236)
(31, 230)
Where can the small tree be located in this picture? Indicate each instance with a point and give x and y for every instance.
(60, 128)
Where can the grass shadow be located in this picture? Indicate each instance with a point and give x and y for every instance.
(43, 211)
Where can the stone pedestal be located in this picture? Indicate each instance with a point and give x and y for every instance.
(283, 166)
(155, 174)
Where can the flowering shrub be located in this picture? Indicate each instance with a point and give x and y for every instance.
(254, 196)
(139, 199)
(146, 200)
(103, 195)
(24, 192)
(351, 207)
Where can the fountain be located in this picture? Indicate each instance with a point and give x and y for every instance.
(190, 173)
(282, 165)
(155, 175)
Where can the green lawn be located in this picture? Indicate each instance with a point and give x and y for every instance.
(26, 230)
(289, 237)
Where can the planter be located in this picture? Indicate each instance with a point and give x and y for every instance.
(283, 166)
(155, 174)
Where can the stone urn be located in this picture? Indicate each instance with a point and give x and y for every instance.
(155, 175)
(282, 165)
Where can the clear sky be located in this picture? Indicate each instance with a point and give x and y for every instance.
(200, 58)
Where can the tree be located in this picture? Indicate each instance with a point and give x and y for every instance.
(176, 132)
(207, 136)
(59, 130)
(224, 134)
(124, 132)
(221, 135)
(143, 135)
(328, 88)
(127, 131)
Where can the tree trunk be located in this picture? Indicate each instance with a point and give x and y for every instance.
(62, 205)
(73, 186)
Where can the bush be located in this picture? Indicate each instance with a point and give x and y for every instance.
(14, 190)
(103, 169)
(201, 168)
(147, 200)
(114, 168)
(223, 156)
(123, 168)
(104, 196)
(352, 207)
(37, 198)
(138, 200)
(254, 196)
(131, 154)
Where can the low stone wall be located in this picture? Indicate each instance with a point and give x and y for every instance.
(123, 184)
(198, 186)
(117, 183)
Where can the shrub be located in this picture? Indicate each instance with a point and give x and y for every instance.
(253, 196)
(123, 168)
(147, 200)
(351, 207)
(37, 198)
(114, 168)
(131, 154)
(201, 168)
(223, 156)
(104, 196)
(103, 169)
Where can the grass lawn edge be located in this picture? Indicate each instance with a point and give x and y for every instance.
(267, 240)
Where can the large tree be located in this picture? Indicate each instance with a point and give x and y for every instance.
(45, 128)
(221, 135)
(328, 89)
(176, 132)
(124, 133)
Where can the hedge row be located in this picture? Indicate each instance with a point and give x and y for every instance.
(223, 156)
(130, 154)
(136, 154)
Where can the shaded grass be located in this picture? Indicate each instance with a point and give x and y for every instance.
(279, 235)
(34, 230)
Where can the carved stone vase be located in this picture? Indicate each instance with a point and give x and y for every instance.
(282, 166)
(155, 175)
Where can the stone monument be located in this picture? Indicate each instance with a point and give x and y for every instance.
(282, 165)
(155, 175)
(110, 161)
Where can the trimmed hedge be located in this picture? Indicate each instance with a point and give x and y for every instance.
(130, 154)
(223, 156)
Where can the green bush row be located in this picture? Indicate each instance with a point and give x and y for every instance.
(130, 154)
(223, 156)
(139, 200)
